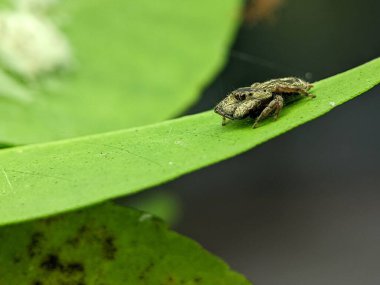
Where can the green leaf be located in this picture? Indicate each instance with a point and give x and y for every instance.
(45, 179)
(137, 62)
(106, 245)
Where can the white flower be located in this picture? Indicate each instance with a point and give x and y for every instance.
(31, 45)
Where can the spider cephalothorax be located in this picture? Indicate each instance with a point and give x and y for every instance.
(262, 99)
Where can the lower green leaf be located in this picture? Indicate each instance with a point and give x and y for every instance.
(106, 245)
(44, 179)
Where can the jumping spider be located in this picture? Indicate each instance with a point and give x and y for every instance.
(262, 99)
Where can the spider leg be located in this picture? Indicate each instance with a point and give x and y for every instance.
(307, 94)
(289, 89)
(280, 105)
(224, 121)
(274, 106)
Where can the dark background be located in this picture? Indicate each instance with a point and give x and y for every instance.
(303, 208)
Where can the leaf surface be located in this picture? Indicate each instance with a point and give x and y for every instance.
(44, 179)
(106, 245)
(136, 63)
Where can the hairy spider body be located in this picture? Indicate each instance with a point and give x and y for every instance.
(262, 99)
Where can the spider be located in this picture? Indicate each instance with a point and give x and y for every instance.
(262, 99)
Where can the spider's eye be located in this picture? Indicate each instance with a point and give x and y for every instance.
(240, 96)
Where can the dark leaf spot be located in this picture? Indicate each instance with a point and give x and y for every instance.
(74, 267)
(109, 247)
(16, 259)
(51, 262)
(34, 246)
